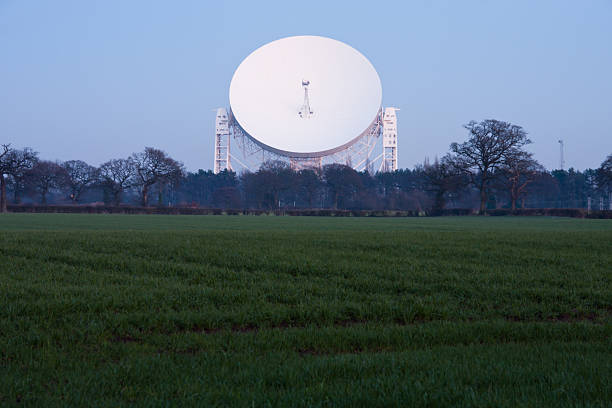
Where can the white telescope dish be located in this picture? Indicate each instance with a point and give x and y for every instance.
(305, 96)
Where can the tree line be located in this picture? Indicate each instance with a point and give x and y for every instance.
(491, 169)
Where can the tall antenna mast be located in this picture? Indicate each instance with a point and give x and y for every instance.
(561, 159)
(305, 111)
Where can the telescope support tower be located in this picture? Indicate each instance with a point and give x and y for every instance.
(389, 133)
(359, 155)
(222, 142)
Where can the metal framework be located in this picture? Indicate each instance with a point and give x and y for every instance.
(561, 158)
(298, 163)
(222, 141)
(305, 111)
(389, 134)
(358, 154)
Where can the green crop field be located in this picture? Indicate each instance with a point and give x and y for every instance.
(119, 310)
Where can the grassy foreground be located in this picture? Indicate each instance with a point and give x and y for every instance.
(113, 310)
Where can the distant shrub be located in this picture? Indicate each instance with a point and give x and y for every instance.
(553, 212)
(323, 212)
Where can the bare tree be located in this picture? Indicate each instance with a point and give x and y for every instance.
(13, 163)
(23, 161)
(519, 169)
(45, 176)
(79, 177)
(274, 178)
(442, 178)
(116, 175)
(5, 166)
(167, 184)
(153, 166)
(491, 142)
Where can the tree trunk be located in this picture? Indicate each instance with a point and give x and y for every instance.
(483, 198)
(145, 195)
(43, 197)
(2, 194)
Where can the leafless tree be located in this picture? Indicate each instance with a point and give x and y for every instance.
(154, 166)
(4, 169)
(275, 177)
(23, 161)
(5, 166)
(13, 163)
(80, 176)
(518, 170)
(116, 175)
(491, 142)
(442, 178)
(45, 176)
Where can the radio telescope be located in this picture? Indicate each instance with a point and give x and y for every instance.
(307, 100)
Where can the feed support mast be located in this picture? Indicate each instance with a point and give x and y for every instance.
(222, 142)
(389, 156)
(305, 111)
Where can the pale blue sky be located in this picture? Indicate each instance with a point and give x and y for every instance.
(96, 80)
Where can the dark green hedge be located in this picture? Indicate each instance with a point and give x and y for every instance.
(90, 209)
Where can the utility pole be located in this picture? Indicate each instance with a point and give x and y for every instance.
(561, 158)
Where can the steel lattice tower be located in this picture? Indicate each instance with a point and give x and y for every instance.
(222, 141)
(305, 111)
(389, 160)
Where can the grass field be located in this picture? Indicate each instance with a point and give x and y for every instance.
(113, 310)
